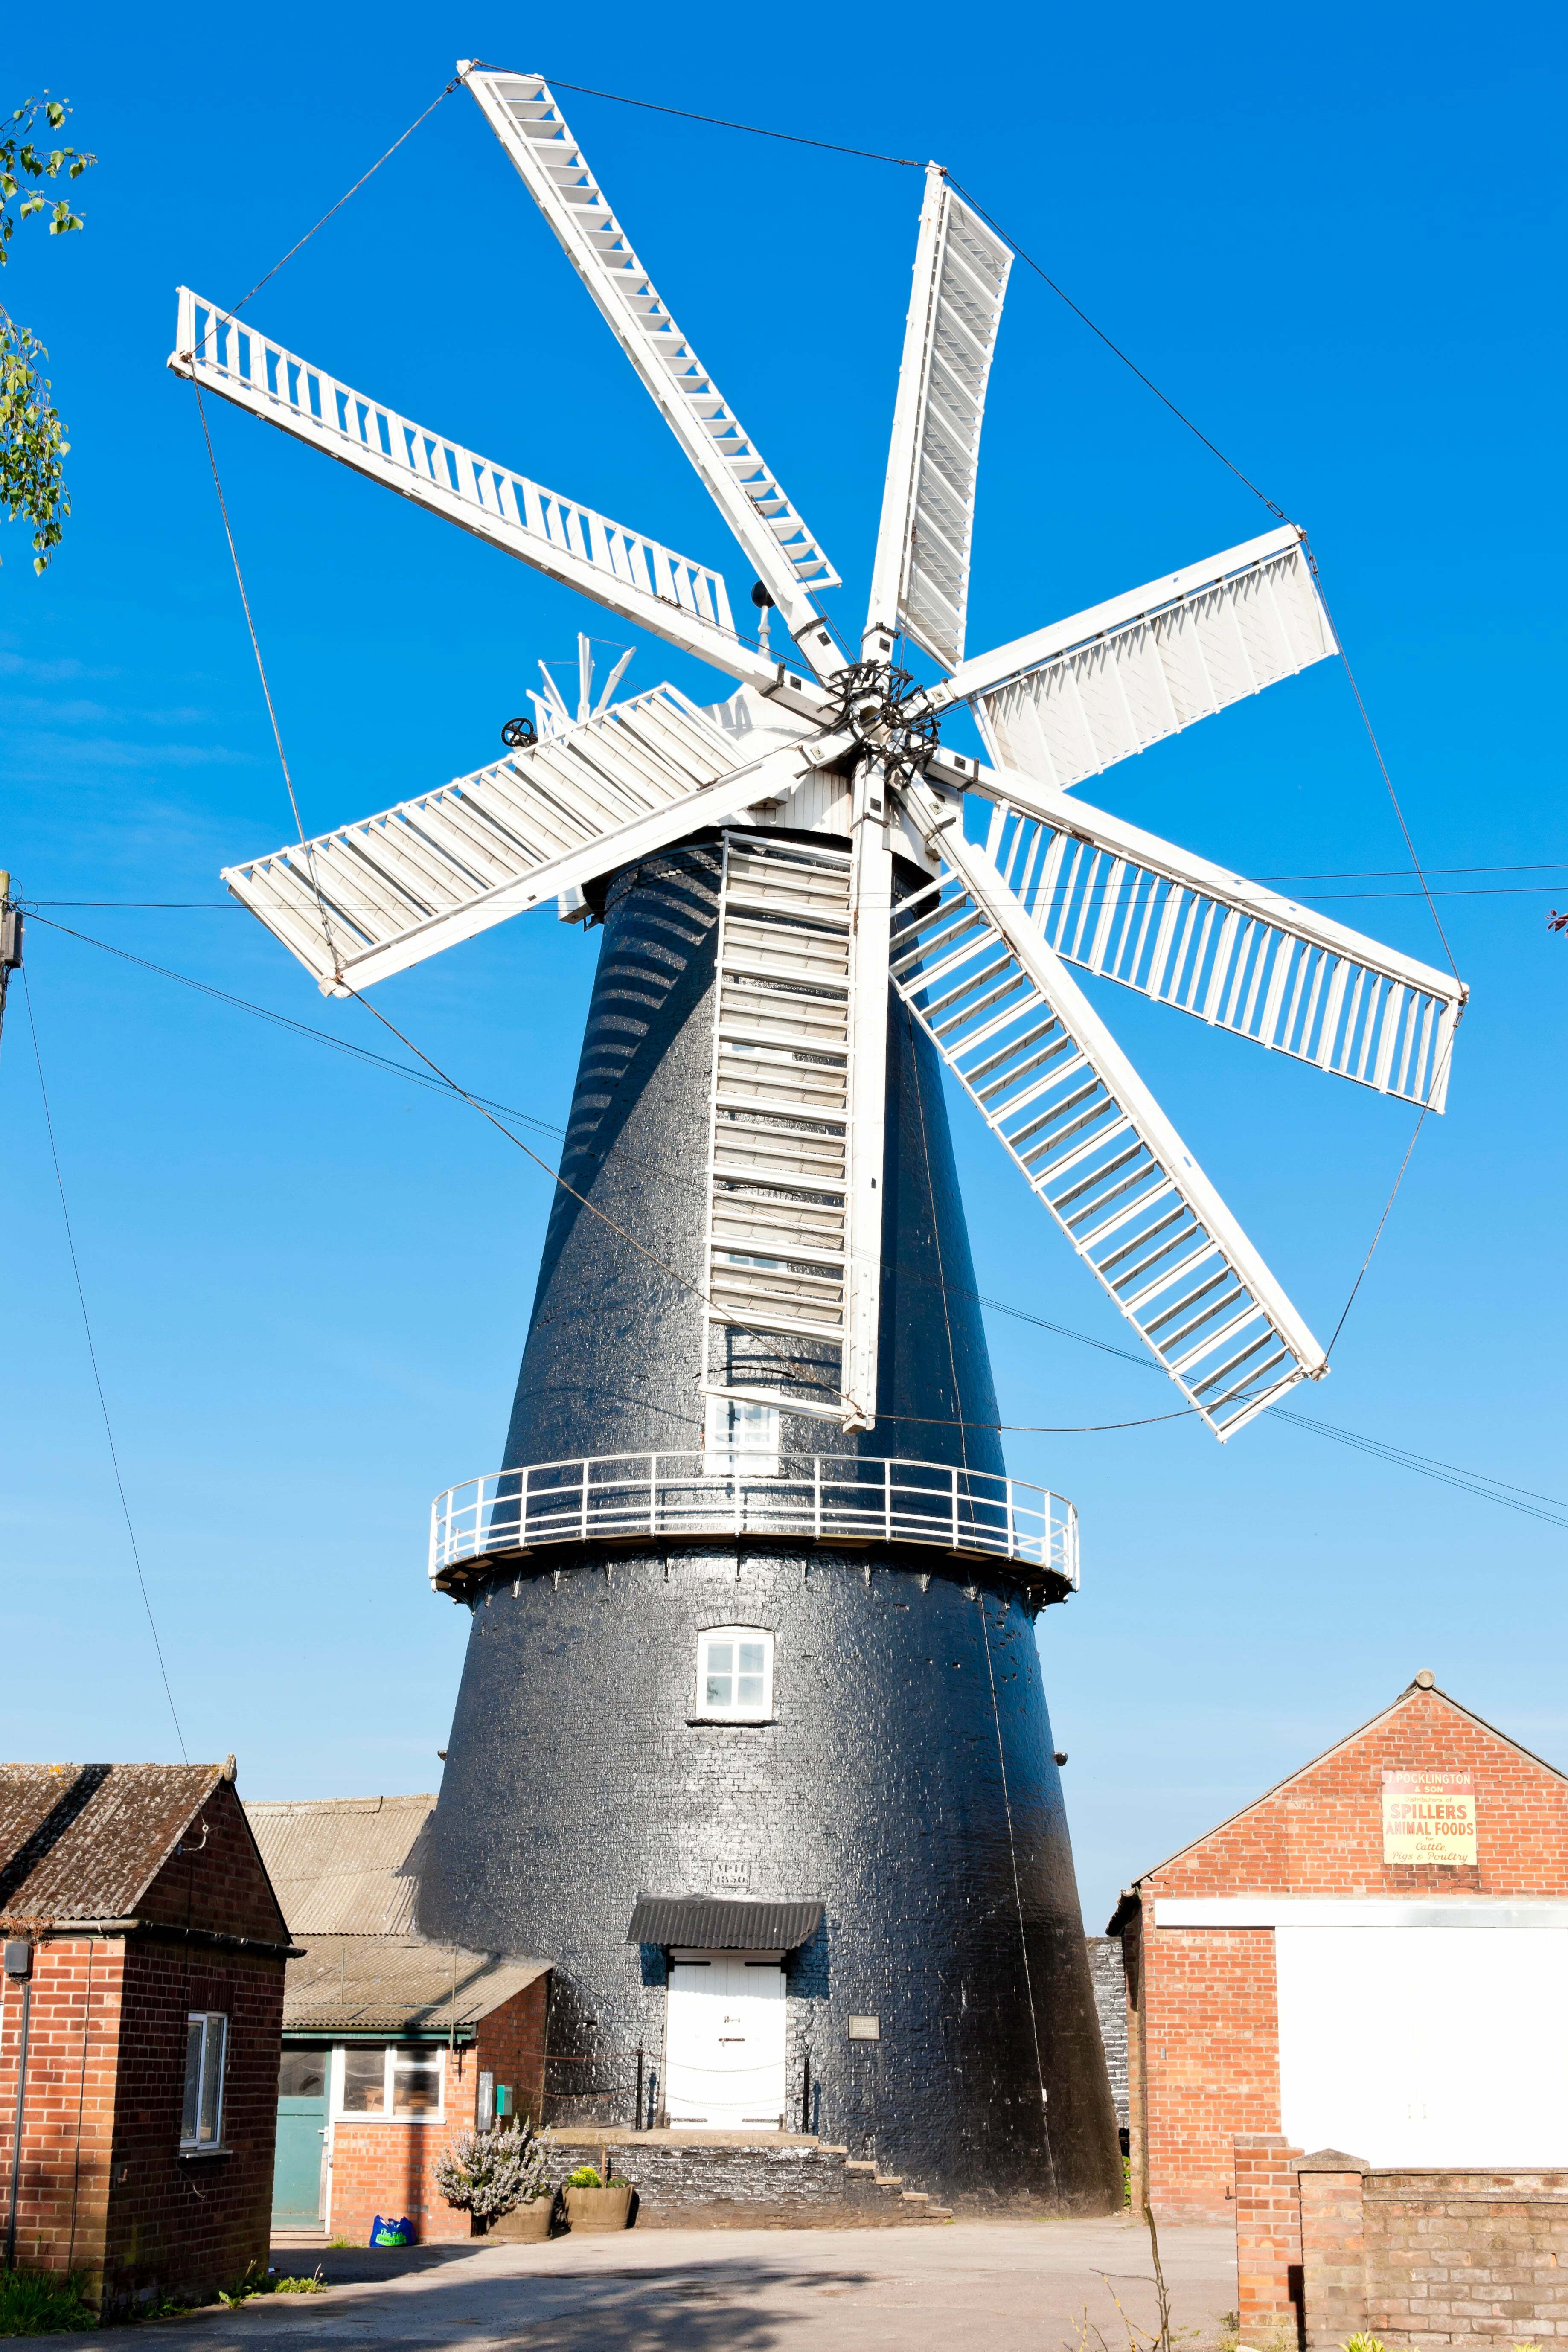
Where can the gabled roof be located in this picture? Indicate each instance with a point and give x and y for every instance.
(86, 1841)
(398, 1984)
(1415, 1690)
(343, 1865)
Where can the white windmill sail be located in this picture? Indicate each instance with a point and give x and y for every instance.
(682, 601)
(920, 579)
(374, 898)
(1090, 1141)
(791, 563)
(1071, 699)
(1134, 908)
(779, 1127)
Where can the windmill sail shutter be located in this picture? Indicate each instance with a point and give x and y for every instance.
(965, 310)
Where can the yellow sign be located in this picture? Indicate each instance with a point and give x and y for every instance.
(1428, 1817)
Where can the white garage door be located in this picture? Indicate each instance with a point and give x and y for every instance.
(1425, 2045)
(724, 2053)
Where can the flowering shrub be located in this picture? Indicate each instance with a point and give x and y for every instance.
(489, 2173)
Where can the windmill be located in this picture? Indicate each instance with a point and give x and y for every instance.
(851, 749)
(821, 905)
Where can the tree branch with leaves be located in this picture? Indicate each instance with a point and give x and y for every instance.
(33, 446)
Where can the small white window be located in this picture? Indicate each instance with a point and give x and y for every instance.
(741, 1436)
(379, 2080)
(206, 2042)
(735, 1673)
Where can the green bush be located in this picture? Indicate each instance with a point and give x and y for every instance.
(43, 2303)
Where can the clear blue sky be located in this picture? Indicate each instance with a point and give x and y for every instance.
(1336, 242)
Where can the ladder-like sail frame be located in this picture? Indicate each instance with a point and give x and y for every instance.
(523, 112)
(1090, 1138)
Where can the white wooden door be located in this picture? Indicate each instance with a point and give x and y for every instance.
(1425, 2046)
(724, 2050)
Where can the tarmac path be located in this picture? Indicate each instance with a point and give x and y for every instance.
(966, 2286)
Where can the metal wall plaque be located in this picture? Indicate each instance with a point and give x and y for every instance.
(1429, 1817)
(865, 2029)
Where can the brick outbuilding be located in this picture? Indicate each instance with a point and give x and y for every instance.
(392, 2044)
(139, 2017)
(1364, 1959)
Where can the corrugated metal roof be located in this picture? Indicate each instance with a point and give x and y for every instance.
(344, 1866)
(704, 1923)
(86, 1840)
(396, 1984)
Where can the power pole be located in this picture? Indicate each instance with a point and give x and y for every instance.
(10, 939)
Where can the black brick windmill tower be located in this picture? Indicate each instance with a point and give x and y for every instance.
(751, 1742)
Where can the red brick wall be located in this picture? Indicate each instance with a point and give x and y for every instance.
(389, 2167)
(219, 1881)
(511, 2045)
(103, 2188)
(192, 2222)
(1204, 2030)
(73, 2041)
(1210, 2033)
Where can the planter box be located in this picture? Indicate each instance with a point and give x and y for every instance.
(525, 2225)
(598, 2209)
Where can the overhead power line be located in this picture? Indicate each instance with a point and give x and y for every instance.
(92, 1359)
(1474, 1482)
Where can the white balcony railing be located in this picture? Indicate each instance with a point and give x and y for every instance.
(843, 1497)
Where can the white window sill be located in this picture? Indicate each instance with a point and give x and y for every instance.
(400, 2122)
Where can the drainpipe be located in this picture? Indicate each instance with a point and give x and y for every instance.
(18, 1966)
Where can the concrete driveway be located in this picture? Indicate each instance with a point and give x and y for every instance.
(967, 2286)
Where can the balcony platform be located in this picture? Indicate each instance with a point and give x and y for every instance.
(489, 1525)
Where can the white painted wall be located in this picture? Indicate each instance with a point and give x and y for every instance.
(1425, 2045)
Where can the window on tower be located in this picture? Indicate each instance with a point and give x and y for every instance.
(735, 1674)
(741, 1436)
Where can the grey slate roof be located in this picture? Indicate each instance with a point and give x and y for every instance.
(343, 1865)
(396, 1984)
(708, 1923)
(86, 1840)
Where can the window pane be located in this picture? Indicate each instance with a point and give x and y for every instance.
(302, 2074)
(720, 1685)
(193, 2081)
(416, 2083)
(751, 1657)
(749, 1691)
(364, 2082)
(207, 2128)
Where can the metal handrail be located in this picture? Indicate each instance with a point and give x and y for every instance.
(848, 1496)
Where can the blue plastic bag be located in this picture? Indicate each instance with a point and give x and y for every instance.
(391, 2233)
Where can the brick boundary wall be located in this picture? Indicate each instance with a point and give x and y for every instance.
(1426, 2259)
(1267, 2234)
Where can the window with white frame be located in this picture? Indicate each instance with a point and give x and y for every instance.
(206, 2046)
(741, 1436)
(396, 2082)
(735, 1673)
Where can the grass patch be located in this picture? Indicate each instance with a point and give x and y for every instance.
(43, 2303)
(260, 2281)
